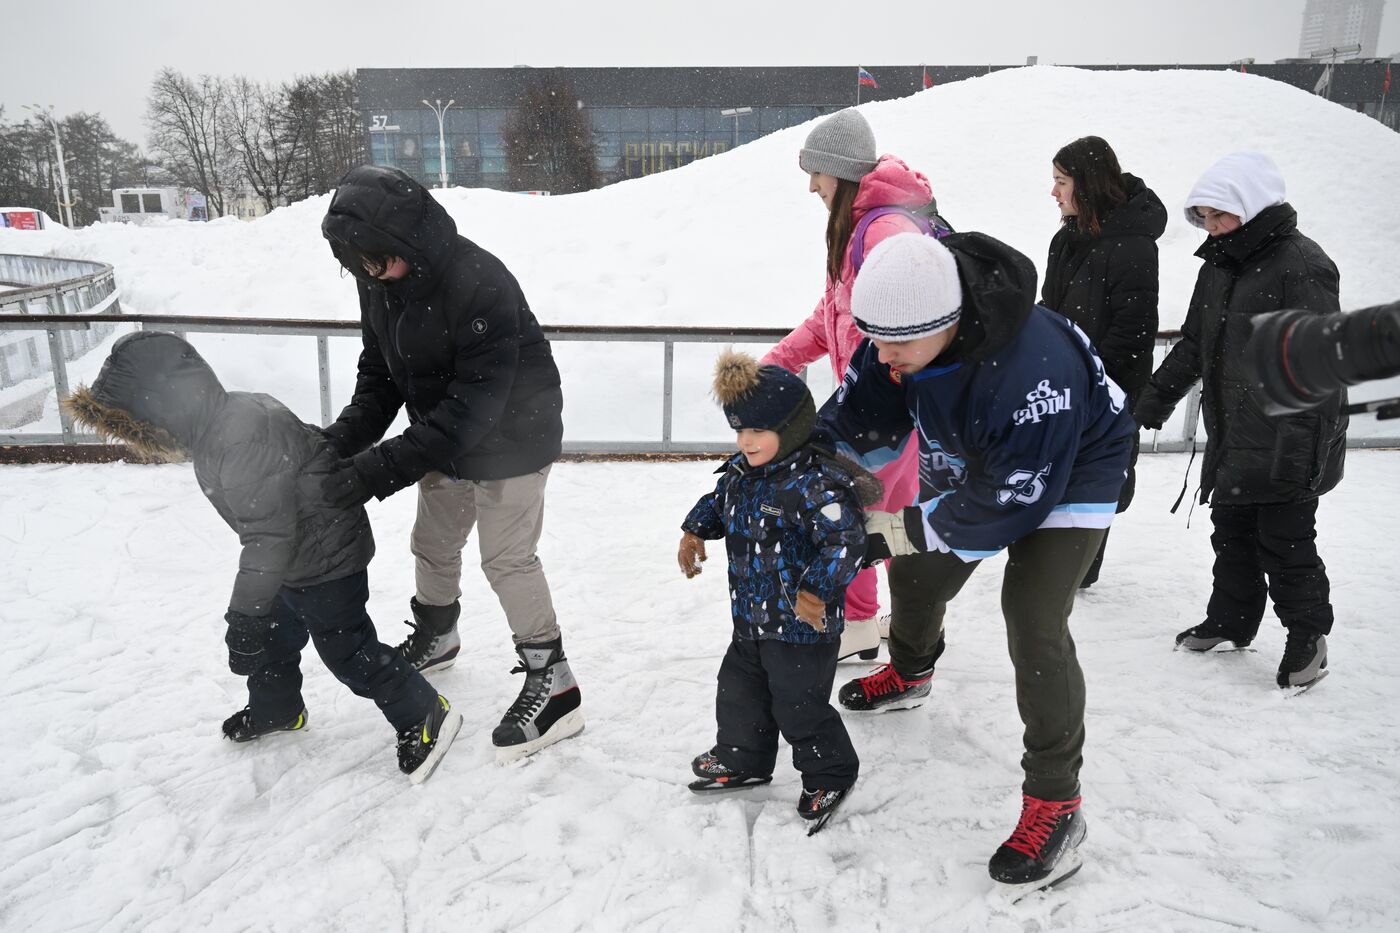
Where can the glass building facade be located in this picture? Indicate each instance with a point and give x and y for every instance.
(648, 120)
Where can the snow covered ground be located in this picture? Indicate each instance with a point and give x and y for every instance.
(1214, 802)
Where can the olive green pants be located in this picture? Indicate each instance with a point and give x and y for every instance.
(1037, 595)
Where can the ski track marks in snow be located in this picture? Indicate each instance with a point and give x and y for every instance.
(1214, 803)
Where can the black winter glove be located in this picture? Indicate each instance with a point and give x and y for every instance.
(1151, 413)
(344, 486)
(247, 639)
(337, 447)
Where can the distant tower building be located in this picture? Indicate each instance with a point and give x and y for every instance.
(1330, 24)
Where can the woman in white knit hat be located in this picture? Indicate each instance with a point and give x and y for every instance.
(1023, 443)
(868, 198)
(1262, 475)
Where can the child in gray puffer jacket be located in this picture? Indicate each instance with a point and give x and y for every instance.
(302, 568)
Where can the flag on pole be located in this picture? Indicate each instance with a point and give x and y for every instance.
(1324, 80)
(866, 79)
(1243, 69)
(1385, 87)
(928, 82)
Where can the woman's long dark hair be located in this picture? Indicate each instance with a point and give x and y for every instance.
(1098, 181)
(839, 225)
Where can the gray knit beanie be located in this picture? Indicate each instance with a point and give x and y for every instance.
(842, 145)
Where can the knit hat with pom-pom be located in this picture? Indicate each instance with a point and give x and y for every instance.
(766, 398)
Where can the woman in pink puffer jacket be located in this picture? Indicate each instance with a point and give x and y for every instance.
(840, 157)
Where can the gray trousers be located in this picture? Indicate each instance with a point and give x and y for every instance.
(509, 516)
(1037, 595)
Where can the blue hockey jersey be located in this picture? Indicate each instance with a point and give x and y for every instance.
(1018, 426)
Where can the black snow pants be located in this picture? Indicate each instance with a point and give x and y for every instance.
(333, 615)
(769, 686)
(1264, 551)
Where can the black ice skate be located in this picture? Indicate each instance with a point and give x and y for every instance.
(1304, 659)
(240, 726)
(885, 689)
(714, 775)
(819, 805)
(1210, 634)
(422, 747)
(433, 644)
(1043, 849)
(547, 708)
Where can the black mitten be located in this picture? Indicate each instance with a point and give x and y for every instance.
(247, 639)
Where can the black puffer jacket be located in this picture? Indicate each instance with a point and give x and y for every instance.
(1252, 458)
(1107, 283)
(454, 341)
(258, 464)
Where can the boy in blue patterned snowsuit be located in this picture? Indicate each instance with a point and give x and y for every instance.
(793, 525)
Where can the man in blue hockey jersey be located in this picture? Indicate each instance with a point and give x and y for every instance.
(1023, 445)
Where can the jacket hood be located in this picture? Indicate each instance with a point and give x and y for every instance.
(1242, 183)
(1238, 245)
(382, 211)
(999, 289)
(1143, 214)
(155, 393)
(892, 184)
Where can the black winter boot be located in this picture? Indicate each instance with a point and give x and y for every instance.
(547, 708)
(434, 642)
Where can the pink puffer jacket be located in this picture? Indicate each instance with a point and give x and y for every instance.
(830, 330)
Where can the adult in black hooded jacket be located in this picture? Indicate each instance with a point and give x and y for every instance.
(1262, 475)
(1102, 271)
(449, 336)
(302, 568)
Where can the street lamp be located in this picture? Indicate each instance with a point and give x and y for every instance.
(67, 203)
(736, 113)
(439, 108)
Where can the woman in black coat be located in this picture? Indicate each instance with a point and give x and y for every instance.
(1102, 270)
(1261, 474)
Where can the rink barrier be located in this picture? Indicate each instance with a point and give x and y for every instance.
(50, 286)
(55, 447)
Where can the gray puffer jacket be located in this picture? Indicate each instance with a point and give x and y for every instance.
(259, 465)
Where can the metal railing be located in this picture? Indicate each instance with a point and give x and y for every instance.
(51, 286)
(668, 337)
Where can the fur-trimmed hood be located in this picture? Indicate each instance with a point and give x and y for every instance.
(155, 393)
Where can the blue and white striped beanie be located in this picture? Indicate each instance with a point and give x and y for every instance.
(908, 288)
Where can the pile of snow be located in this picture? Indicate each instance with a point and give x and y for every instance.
(737, 239)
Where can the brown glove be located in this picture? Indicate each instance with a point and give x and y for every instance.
(691, 554)
(811, 609)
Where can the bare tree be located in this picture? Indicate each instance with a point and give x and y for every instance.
(549, 140)
(183, 116)
(326, 109)
(259, 129)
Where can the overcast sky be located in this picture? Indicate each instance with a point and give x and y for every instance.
(100, 55)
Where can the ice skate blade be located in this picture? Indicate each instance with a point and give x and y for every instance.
(1224, 647)
(1068, 866)
(1300, 689)
(450, 727)
(571, 723)
(710, 786)
(441, 664)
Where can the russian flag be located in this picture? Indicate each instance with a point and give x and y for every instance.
(866, 79)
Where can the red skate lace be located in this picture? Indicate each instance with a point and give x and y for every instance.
(887, 680)
(1038, 819)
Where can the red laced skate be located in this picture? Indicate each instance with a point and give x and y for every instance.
(885, 689)
(1039, 818)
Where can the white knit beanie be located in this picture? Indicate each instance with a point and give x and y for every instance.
(1242, 183)
(908, 288)
(842, 145)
